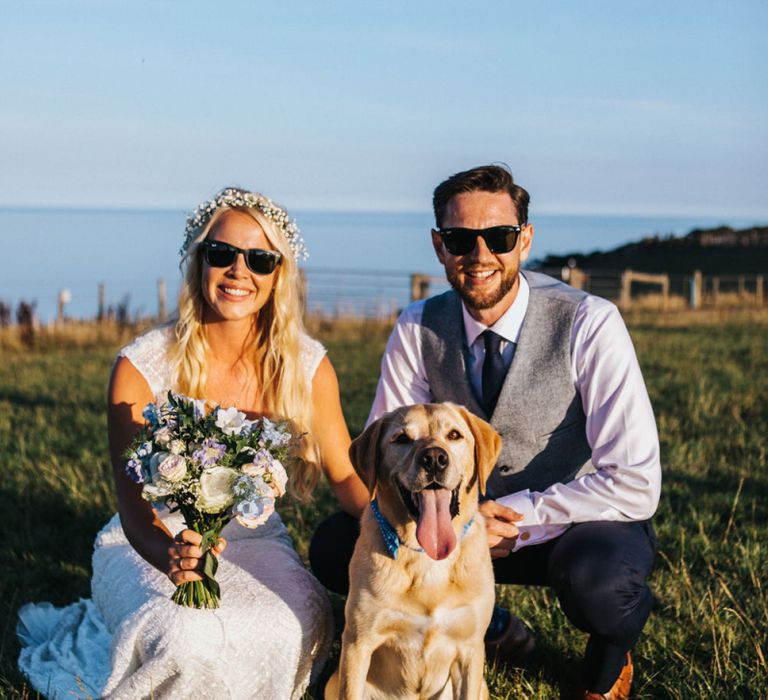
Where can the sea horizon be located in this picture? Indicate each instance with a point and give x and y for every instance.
(372, 252)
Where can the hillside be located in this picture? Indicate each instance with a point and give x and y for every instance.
(713, 251)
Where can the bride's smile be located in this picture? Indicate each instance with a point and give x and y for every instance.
(235, 293)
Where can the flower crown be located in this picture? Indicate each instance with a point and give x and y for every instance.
(233, 197)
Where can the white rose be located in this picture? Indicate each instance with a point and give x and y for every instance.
(177, 447)
(231, 421)
(156, 491)
(162, 437)
(216, 489)
(173, 468)
(154, 465)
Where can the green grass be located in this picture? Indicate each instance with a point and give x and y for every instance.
(707, 637)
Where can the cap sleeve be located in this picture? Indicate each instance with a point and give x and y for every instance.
(312, 353)
(149, 355)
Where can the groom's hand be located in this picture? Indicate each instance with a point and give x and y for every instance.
(186, 556)
(500, 526)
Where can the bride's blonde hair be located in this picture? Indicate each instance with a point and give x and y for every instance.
(275, 350)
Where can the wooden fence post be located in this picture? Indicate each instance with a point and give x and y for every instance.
(162, 300)
(629, 276)
(759, 290)
(695, 293)
(576, 278)
(419, 286)
(102, 302)
(65, 296)
(715, 290)
(625, 296)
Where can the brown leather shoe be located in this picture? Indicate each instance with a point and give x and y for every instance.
(619, 690)
(512, 648)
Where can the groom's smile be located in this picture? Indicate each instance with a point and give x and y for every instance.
(486, 281)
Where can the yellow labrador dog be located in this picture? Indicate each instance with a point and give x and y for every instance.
(421, 582)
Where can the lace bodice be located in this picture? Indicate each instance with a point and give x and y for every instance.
(149, 354)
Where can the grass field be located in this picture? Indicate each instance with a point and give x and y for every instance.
(708, 380)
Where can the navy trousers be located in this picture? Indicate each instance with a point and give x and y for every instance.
(598, 571)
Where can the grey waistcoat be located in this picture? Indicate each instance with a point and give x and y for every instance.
(538, 414)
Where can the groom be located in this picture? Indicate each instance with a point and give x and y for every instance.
(554, 371)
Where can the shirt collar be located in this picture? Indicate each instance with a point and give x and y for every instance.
(510, 323)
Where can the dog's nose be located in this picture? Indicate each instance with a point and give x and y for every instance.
(433, 460)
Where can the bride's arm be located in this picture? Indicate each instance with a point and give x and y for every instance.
(332, 436)
(129, 393)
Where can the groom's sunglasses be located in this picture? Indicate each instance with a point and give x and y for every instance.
(258, 260)
(499, 239)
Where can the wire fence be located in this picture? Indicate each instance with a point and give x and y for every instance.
(345, 293)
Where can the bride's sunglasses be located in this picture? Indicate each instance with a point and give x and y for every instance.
(461, 241)
(258, 260)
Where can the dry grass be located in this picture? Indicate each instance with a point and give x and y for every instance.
(686, 318)
(71, 334)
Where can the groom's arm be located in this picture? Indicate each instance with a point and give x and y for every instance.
(403, 381)
(620, 429)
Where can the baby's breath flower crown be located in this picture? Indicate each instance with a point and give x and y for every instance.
(233, 197)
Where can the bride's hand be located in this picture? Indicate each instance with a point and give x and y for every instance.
(186, 556)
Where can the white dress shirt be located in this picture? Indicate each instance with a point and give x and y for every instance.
(620, 427)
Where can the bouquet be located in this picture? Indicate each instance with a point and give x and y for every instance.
(212, 467)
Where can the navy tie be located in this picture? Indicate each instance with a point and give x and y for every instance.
(493, 371)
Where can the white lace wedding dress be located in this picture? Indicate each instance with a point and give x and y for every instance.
(131, 641)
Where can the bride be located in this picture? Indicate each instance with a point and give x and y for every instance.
(238, 341)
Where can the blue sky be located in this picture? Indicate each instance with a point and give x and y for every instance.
(598, 107)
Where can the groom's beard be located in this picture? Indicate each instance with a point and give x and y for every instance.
(477, 299)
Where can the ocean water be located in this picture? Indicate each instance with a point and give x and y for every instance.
(359, 262)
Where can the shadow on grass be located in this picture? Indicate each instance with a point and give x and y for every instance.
(20, 398)
(558, 668)
(44, 556)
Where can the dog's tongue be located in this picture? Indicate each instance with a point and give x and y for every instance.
(434, 531)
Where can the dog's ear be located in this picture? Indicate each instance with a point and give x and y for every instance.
(364, 453)
(487, 445)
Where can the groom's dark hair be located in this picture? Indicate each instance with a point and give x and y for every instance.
(484, 178)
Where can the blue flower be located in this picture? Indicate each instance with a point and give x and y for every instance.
(209, 452)
(134, 470)
(151, 415)
(273, 434)
(199, 407)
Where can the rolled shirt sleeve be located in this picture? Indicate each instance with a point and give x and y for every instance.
(621, 431)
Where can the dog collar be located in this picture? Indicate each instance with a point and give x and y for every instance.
(391, 539)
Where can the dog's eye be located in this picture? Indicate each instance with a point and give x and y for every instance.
(401, 438)
(455, 435)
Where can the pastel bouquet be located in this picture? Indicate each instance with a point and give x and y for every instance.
(212, 466)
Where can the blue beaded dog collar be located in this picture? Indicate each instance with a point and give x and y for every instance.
(391, 539)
